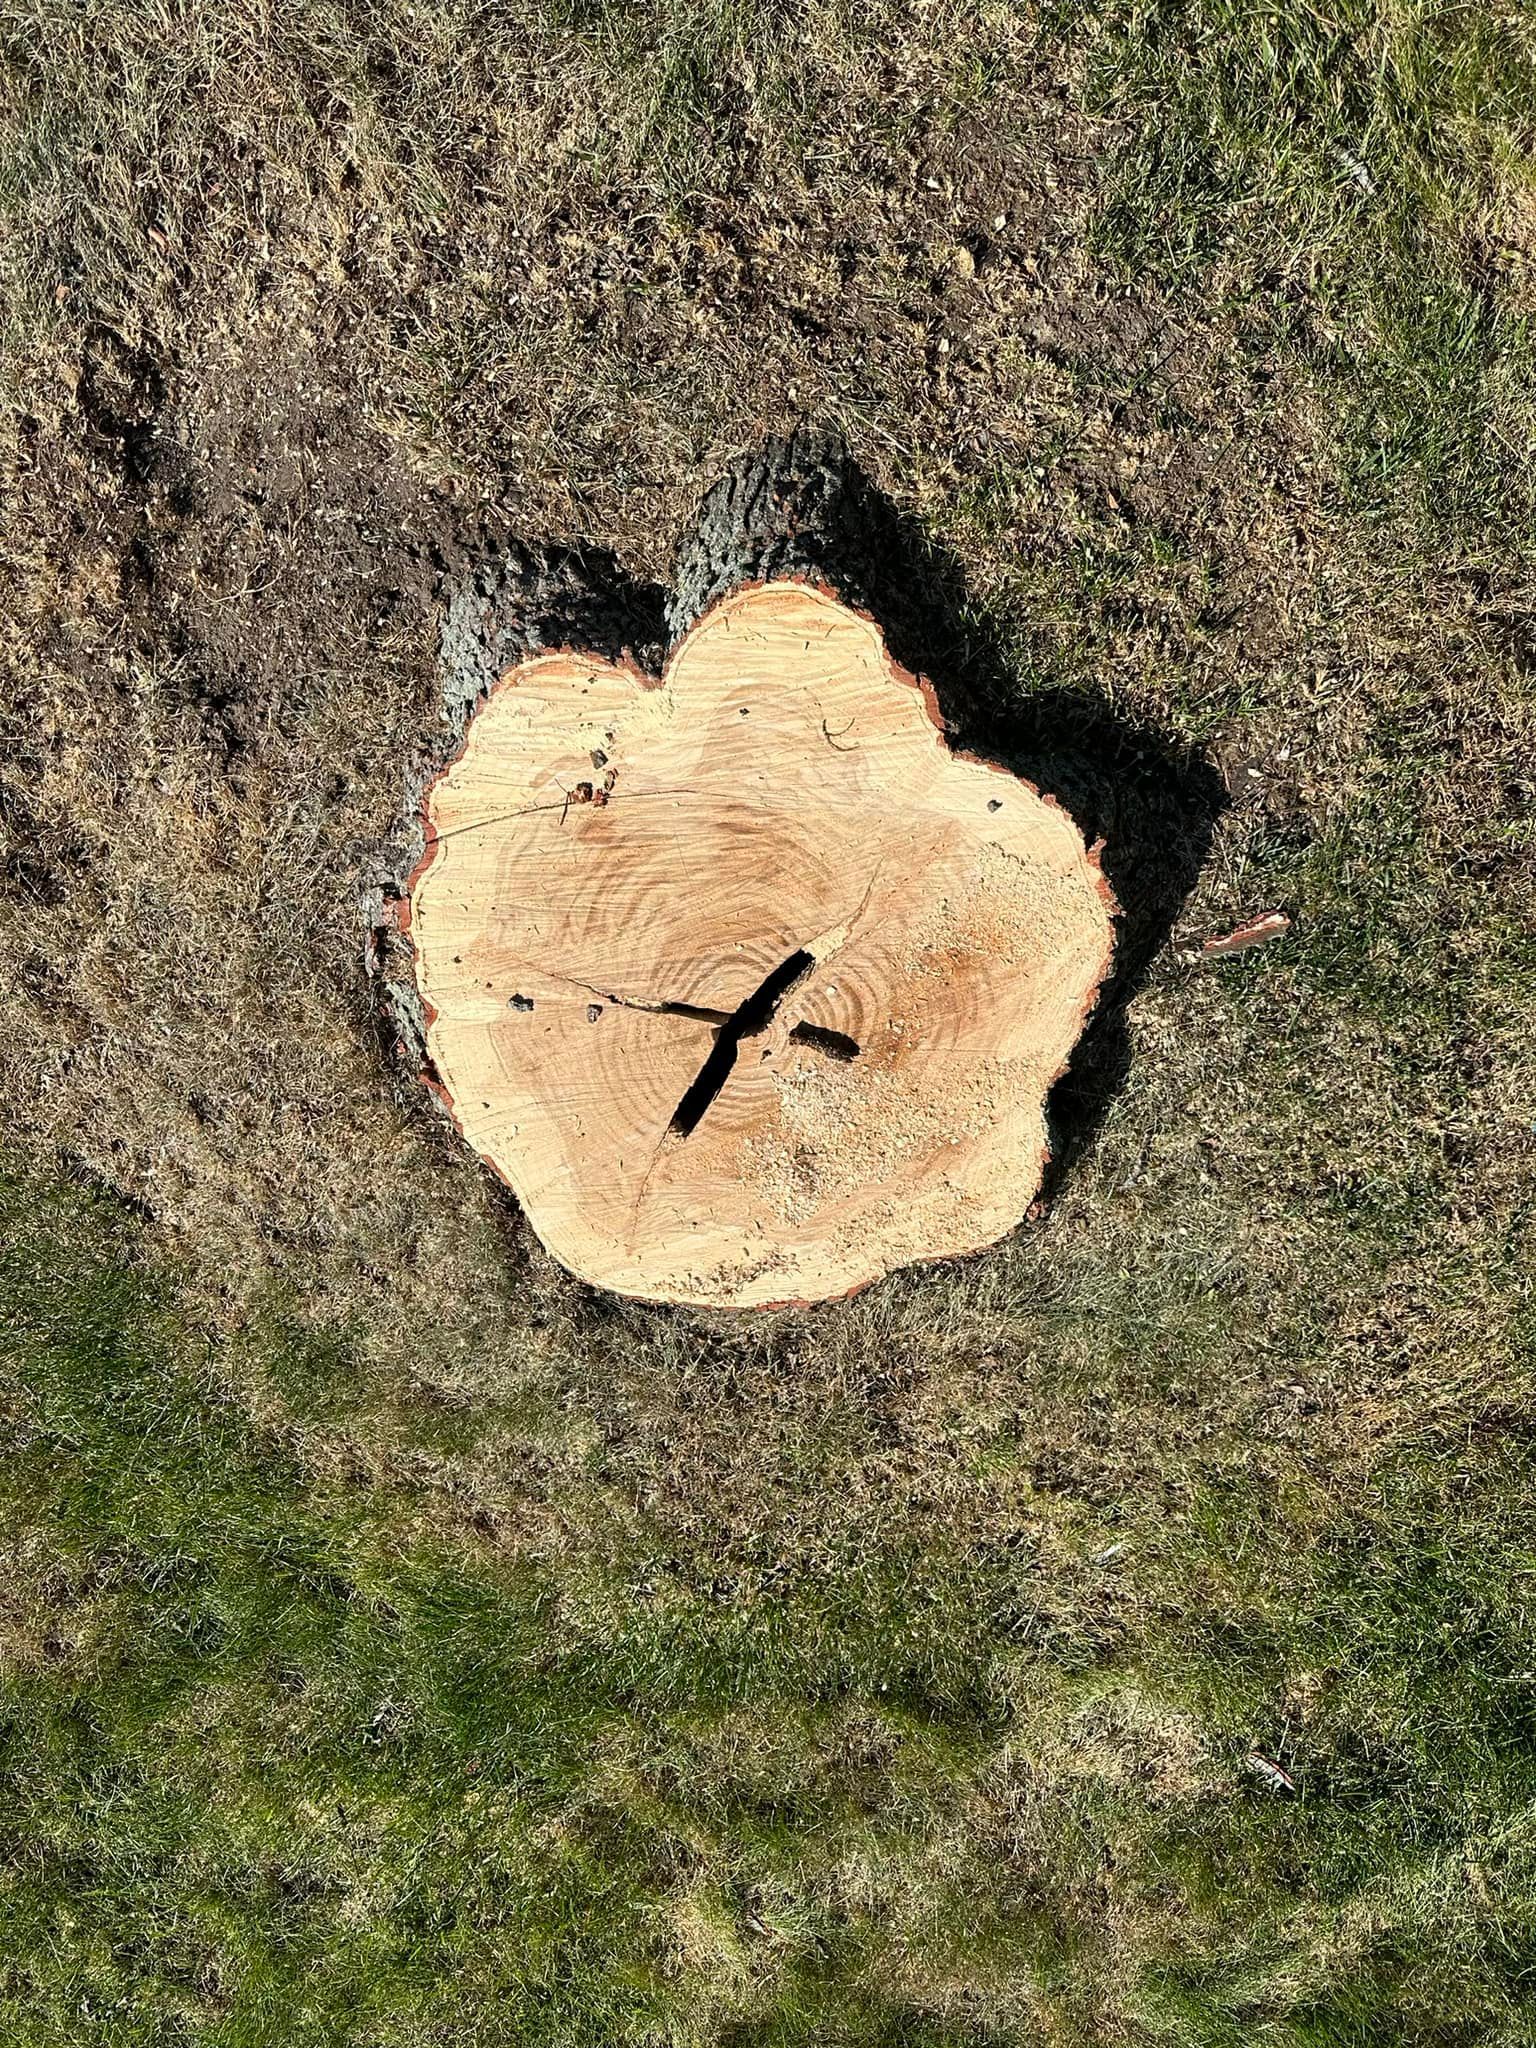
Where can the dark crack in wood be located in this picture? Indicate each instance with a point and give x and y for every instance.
(837, 1045)
(746, 1021)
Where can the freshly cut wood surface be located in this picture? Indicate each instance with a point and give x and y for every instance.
(750, 987)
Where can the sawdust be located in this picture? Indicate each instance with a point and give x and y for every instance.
(845, 1135)
(997, 932)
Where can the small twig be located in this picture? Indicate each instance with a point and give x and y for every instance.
(1258, 931)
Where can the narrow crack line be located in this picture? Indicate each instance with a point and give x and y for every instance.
(840, 934)
(655, 1009)
(693, 1010)
(628, 796)
(836, 1044)
(620, 1002)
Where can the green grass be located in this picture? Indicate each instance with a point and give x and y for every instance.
(283, 1764)
(283, 1770)
(1346, 174)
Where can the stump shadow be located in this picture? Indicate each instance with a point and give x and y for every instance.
(1152, 799)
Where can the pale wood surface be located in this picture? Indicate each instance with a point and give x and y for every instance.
(614, 867)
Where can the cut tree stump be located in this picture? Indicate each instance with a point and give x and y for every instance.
(748, 985)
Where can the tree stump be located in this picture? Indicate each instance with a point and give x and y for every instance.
(748, 985)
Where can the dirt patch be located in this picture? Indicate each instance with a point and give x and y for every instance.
(222, 622)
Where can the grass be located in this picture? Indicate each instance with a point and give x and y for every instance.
(402, 1645)
(286, 1771)
(285, 1763)
(1358, 174)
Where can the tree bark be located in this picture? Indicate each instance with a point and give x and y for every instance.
(792, 508)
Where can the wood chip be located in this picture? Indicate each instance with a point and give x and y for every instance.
(1278, 1779)
(1258, 931)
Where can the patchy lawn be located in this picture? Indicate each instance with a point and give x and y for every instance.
(1118, 1637)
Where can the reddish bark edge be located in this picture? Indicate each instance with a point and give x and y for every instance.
(626, 664)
